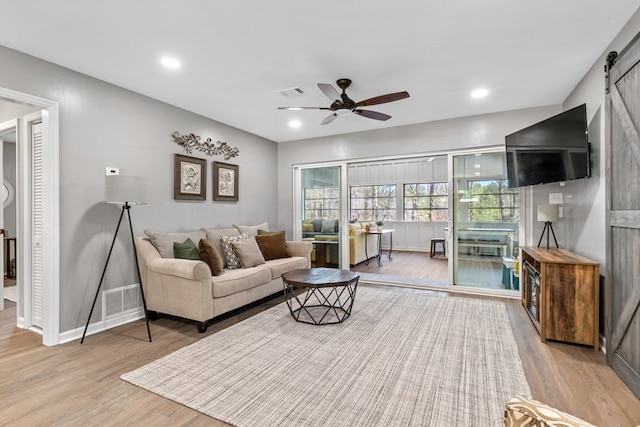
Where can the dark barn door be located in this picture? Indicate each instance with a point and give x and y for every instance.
(623, 214)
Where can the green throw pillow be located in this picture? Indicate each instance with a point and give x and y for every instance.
(186, 250)
(262, 232)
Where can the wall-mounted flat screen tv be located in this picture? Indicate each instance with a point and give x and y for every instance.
(553, 150)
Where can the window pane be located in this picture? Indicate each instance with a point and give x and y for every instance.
(492, 201)
(373, 202)
(321, 203)
(426, 202)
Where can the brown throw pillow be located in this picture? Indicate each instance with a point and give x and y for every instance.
(273, 246)
(210, 255)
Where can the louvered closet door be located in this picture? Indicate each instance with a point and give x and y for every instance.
(36, 144)
(623, 213)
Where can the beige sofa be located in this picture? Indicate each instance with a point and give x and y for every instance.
(526, 412)
(187, 288)
(358, 241)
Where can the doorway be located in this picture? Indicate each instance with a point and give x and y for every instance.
(8, 215)
(484, 231)
(37, 201)
(319, 216)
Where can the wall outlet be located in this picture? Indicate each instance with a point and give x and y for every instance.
(112, 171)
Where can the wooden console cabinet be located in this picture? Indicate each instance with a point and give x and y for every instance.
(560, 292)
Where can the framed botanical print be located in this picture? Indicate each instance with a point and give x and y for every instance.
(189, 179)
(225, 182)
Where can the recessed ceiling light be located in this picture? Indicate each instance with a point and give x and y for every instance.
(479, 93)
(295, 123)
(170, 62)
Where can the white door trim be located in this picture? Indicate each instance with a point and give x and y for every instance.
(51, 212)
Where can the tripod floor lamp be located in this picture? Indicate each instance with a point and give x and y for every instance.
(125, 191)
(548, 214)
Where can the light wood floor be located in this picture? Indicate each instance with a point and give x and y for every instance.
(418, 265)
(73, 384)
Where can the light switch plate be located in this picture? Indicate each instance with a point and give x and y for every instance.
(112, 171)
(555, 198)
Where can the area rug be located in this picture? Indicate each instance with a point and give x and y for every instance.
(405, 357)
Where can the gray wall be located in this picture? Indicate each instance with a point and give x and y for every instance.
(104, 125)
(425, 138)
(585, 199)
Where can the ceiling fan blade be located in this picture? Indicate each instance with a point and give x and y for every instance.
(372, 115)
(382, 99)
(329, 119)
(304, 108)
(329, 91)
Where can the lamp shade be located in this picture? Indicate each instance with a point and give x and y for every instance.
(121, 189)
(548, 213)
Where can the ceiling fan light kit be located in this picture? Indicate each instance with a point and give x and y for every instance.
(342, 105)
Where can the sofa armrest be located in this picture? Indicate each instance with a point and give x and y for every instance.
(521, 411)
(185, 268)
(302, 249)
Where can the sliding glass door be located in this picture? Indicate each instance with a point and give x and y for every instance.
(319, 213)
(484, 230)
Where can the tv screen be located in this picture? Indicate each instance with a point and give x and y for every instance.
(553, 150)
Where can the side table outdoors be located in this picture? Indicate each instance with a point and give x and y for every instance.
(327, 297)
(379, 233)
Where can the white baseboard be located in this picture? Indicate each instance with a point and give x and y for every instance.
(101, 326)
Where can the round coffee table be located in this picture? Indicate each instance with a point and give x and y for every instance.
(327, 294)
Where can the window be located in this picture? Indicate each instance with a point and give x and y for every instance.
(321, 202)
(492, 201)
(373, 203)
(426, 202)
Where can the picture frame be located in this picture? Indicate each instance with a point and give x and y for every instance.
(190, 178)
(225, 182)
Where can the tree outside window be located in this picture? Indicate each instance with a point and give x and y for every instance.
(373, 202)
(493, 201)
(321, 203)
(426, 202)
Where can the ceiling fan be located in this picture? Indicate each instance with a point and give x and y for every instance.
(343, 105)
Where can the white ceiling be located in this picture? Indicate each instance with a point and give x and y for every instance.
(237, 55)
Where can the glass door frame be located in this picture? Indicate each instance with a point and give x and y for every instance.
(343, 223)
(451, 235)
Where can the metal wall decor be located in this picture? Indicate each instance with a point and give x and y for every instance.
(193, 142)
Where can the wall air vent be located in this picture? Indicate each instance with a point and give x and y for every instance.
(291, 92)
(119, 301)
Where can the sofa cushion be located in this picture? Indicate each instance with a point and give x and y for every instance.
(328, 226)
(307, 227)
(186, 250)
(231, 258)
(273, 246)
(214, 235)
(252, 230)
(210, 255)
(163, 242)
(248, 252)
(354, 226)
(317, 225)
(282, 265)
(234, 281)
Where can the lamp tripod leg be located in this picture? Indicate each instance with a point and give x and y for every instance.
(135, 256)
(542, 235)
(554, 235)
(115, 235)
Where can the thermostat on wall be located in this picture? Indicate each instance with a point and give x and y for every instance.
(112, 171)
